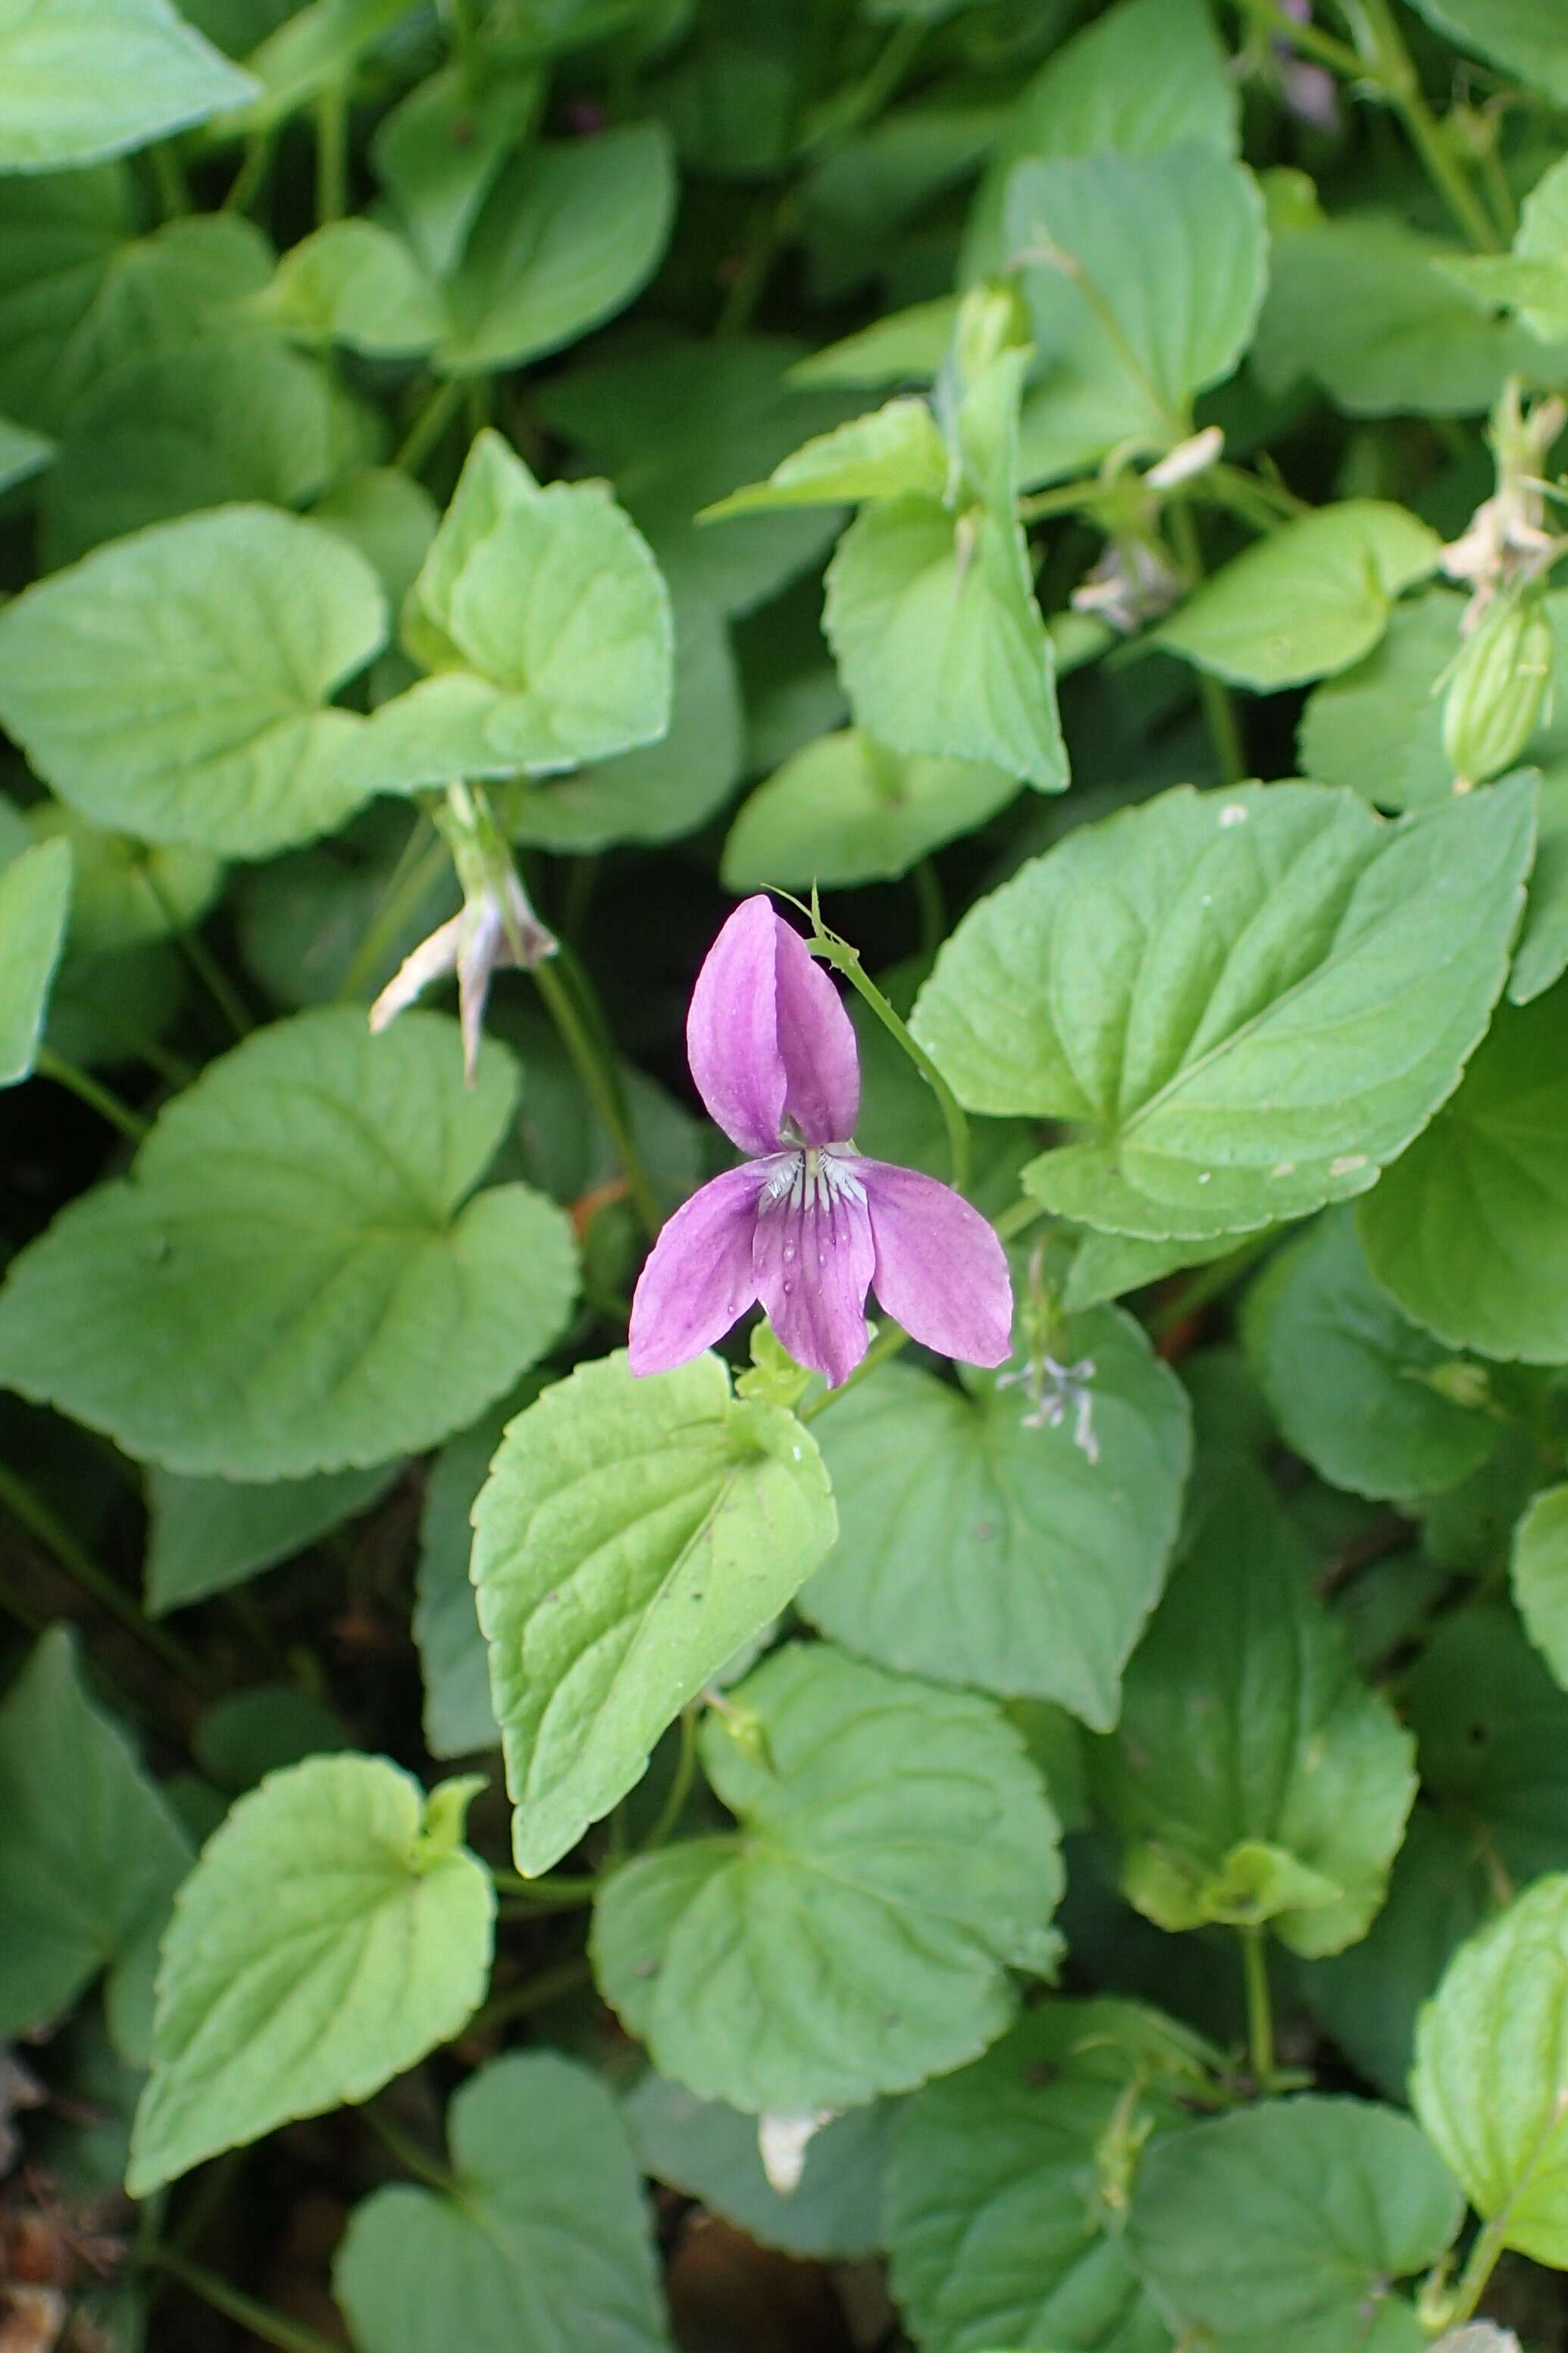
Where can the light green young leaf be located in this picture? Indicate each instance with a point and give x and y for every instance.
(728, 411)
(92, 1854)
(1143, 276)
(1287, 2223)
(566, 237)
(1360, 306)
(710, 2152)
(895, 1854)
(439, 152)
(353, 282)
(1351, 1382)
(231, 418)
(84, 79)
(81, 294)
(333, 1932)
(679, 1521)
(453, 1660)
(894, 449)
(1254, 1776)
(544, 2240)
(662, 790)
(493, 484)
(207, 1535)
(297, 1275)
(34, 898)
(1539, 1571)
(175, 685)
(846, 809)
(1311, 599)
(1469, 1230)
(1523, 37)
(22, 454)
(939, 642)
(906, 346)
(1249, 999)
(1534, 278)
(979, 1545)
(1490, 2081)
(1366, 1998)
(994, 2230)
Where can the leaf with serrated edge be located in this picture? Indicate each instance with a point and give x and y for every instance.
(633, 1535)
(333, 1932)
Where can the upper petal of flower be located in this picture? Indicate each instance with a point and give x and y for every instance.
(767, 1036)
(941, 1271)
(812, 1258)
(698, 1279)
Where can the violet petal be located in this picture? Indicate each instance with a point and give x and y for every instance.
(731, 1031)
(940, 1270)
(816, 1042)
(698, 1279)
(812, 1260)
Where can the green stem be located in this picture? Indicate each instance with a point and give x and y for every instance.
(407, 2151)
(853, 109)
(1210, 1282)
(332, 152)
(601, 1087)
(246, 181)
(430, 424)
(1391, 67)
(563, 1886)
(100, 1099)
(1219, 711)
(200, 959)
(169, 176)
(411, 881)
(1260, 2006)
(887, 1342)
(1018, 1219)
(463, 35)
(1480, 2266)
(271, 2327)
(1309, 38)
(847, 960)
(39, 1519)
(536, 1992)
(932, 905)
(679, 1788)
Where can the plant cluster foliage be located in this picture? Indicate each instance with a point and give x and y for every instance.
(956, 596)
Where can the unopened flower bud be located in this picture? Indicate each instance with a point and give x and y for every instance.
(1497, 691)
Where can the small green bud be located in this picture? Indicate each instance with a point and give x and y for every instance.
(1496, 693)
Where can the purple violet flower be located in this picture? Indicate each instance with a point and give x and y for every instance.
(808, 1224)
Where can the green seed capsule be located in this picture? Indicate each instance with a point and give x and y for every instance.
(1497, 690)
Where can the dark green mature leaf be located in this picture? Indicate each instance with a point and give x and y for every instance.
(1249, 999)
(1492, 1728)
(1142, 274)
(84, 79)
(543, 2242)
(333, 1932)
(35, 896)
(846, 809)
(1491, 2084)
(895, 1856)
(566, 237)
(22, 454)
(710, 2152)
(439, 152)
(205, 1536)
(1312, 598)
(1148, 74)
(998, 2228)
(1254, 1776)
(453, 1659)
(92, 1854)
(677, 1521)
(1352, 1382)
(1523, 37)
(1286, 2223)
(1469, 1230)
(175, 685)
(979, 1543)
(1539, 1576)
(80, 293)
(298, 1276)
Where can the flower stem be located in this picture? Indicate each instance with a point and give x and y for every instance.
(1479, 2266)
(1391, 67)
(680, 1783)
(199, 957)
(332, 152)
(271, 2327)
(887, 1342)
(407, 2151)
(40, 1521)
(602, 1089)
(1260, 2005)
(86, 1089)
(412, 879)
(932, 909)
(430, 424)
(1219, 711)
(847, 960)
